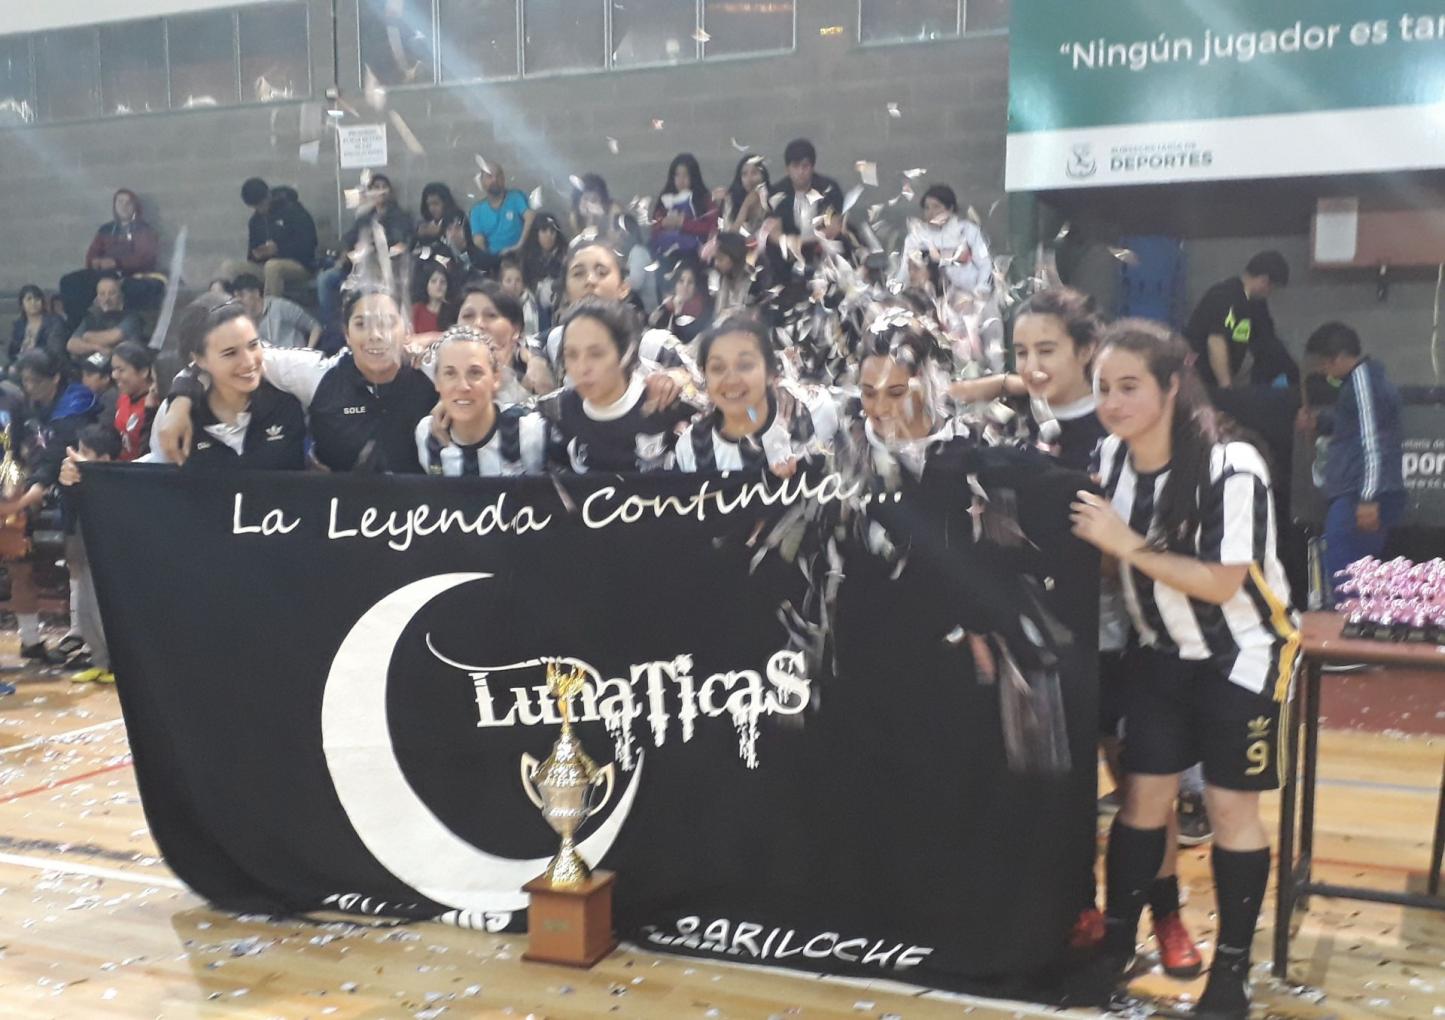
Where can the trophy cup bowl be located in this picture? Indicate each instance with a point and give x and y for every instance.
(563, 787)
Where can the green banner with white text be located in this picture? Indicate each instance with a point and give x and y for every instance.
(1116, 92)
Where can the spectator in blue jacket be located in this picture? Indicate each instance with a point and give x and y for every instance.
(1363, 479)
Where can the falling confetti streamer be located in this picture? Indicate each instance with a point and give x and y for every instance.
(408, 137)
(867, 172)
(894, 111)
(373, 90)
(173, 289)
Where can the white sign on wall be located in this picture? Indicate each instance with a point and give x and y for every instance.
(361, 145)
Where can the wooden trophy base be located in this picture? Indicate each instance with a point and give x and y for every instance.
(572, 927)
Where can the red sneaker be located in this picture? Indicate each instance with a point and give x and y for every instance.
(1177, 951)
(1088, 929)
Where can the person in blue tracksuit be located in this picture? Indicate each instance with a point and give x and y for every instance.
(1363, 479)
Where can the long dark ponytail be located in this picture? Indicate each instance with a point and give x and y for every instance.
(1197, 427)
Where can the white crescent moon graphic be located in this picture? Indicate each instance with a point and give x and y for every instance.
(401, 832)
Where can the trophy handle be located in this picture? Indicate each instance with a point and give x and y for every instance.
(529, 769)
(606, 774)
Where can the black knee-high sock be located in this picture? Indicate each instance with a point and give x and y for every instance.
(1133, 860)
(1240, 879)
(1164, 897)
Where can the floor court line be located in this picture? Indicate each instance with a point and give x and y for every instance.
(91, 871)
(46, 787)
(60, 737)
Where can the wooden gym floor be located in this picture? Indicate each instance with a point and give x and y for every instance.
(92, 924)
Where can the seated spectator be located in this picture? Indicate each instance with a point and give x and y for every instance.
(503, 218)
(280, 321)
(735, 287)
(427, 315)
(685, 312)
(642, 274)
(57, 306)
(35, 327)
(745, 204)
(806, 196)
(514, 282)
(593, 208)
(543, 252)
(454, 252)
(380, 209)
(280, 239)
(807, 208)
(95, 376)
(953, 241)
(94, 443)
(684, 215)
(437, 208)
(106, 324)
(132, 367)
(127, 248)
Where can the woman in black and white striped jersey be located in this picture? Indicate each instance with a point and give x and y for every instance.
(1188, 513)
(490, 310)
(609, 418)
(755, 423)
(486, 440)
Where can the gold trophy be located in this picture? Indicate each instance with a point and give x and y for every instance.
(14, 540)
(569, 918)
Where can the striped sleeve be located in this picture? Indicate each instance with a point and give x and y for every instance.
(1364, 392)
(1234, 510)
(423, 444)
(534, 443)
(1109, 463)
(686, 458)
(1234, 524)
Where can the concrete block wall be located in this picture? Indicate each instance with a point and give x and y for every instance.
(188, 166)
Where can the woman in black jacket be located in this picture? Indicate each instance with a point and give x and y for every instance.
(243, 421)
(36, 327)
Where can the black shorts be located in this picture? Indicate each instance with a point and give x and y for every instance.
(1112, 693)
(1180, 712)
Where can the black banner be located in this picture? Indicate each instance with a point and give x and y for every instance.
(329, 682)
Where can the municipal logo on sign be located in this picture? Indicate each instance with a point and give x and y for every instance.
(1081, 162)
